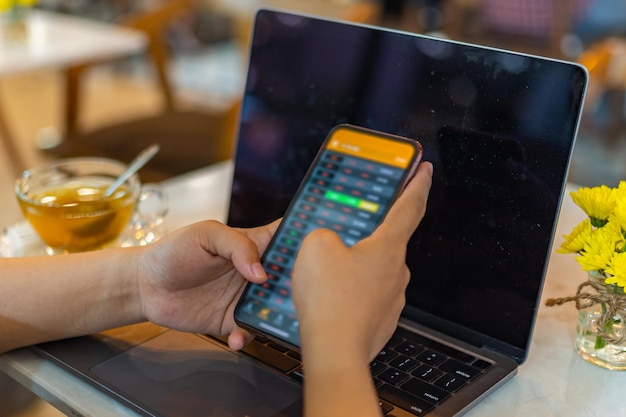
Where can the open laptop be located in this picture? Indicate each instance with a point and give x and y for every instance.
(499, 128)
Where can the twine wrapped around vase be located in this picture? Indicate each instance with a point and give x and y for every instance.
(613, 304)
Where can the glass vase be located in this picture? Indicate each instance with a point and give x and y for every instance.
(13, 25)
(601, 328)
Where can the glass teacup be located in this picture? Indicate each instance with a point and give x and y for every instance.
(65, 203)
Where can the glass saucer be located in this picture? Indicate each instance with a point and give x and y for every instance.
(21, 239)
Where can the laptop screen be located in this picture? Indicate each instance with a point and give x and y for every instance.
(499, 128)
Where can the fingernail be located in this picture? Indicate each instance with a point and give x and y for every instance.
(430, 168)
(258, 271)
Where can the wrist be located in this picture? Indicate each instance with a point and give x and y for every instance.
(338, 351)
(337, 379)
(120, 300)
(131, 296)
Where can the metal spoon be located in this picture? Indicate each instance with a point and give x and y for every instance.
(141, 159)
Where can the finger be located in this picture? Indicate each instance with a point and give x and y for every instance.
(262, 235)
(408, 210)
(232, 244)
(238, 338)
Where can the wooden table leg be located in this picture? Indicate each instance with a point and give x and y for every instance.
(8, 142)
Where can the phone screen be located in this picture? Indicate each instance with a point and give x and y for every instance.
(353, 181)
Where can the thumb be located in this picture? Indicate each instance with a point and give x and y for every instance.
(408, 210)
(236, 246)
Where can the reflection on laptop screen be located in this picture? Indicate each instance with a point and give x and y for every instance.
(497, 126)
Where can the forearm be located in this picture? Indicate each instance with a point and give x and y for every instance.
(49, 298)
(338, 383)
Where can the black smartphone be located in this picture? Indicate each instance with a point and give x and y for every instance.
(349, 188)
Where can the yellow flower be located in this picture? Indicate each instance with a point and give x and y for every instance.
(575, 241)
(8, 4)
(597, 202)
(617, 268)
(601, 238)
(600, 247)
(619, 214)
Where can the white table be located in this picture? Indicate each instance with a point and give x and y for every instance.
(57, 41)
(554, 381)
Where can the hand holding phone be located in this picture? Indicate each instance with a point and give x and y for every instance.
(351, 185)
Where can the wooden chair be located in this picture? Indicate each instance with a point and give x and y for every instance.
(8, 142)
(606, 63)
(189, 139)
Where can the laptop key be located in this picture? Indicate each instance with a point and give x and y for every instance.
(426, 373)
(276, 346)
(425, 391)
(451, 352)
(404, 400)
(404, 363)
(393, 377)
(385, 407)
(439, 347)
(270, 356)
(297, 374)
(431, 357)
(386, 355)
(450, 383)
(377, 367)
(409, 348)
(459, 369)
(295, 355)
(482, 364)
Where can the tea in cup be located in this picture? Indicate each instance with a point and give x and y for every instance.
(66, 205)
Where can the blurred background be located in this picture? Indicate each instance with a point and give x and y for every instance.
(186, 84)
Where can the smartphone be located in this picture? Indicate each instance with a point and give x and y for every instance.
(349, 188)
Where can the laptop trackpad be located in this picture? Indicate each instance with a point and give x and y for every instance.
(181, 374)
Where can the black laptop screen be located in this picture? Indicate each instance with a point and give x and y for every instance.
(498, 127)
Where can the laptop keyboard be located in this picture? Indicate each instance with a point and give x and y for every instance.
(411, 372)
(418, 374)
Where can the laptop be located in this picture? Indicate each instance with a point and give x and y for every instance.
(499, 128)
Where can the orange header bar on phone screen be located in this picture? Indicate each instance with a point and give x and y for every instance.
(369, 146)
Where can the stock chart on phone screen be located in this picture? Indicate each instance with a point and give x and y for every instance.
(349, 190)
